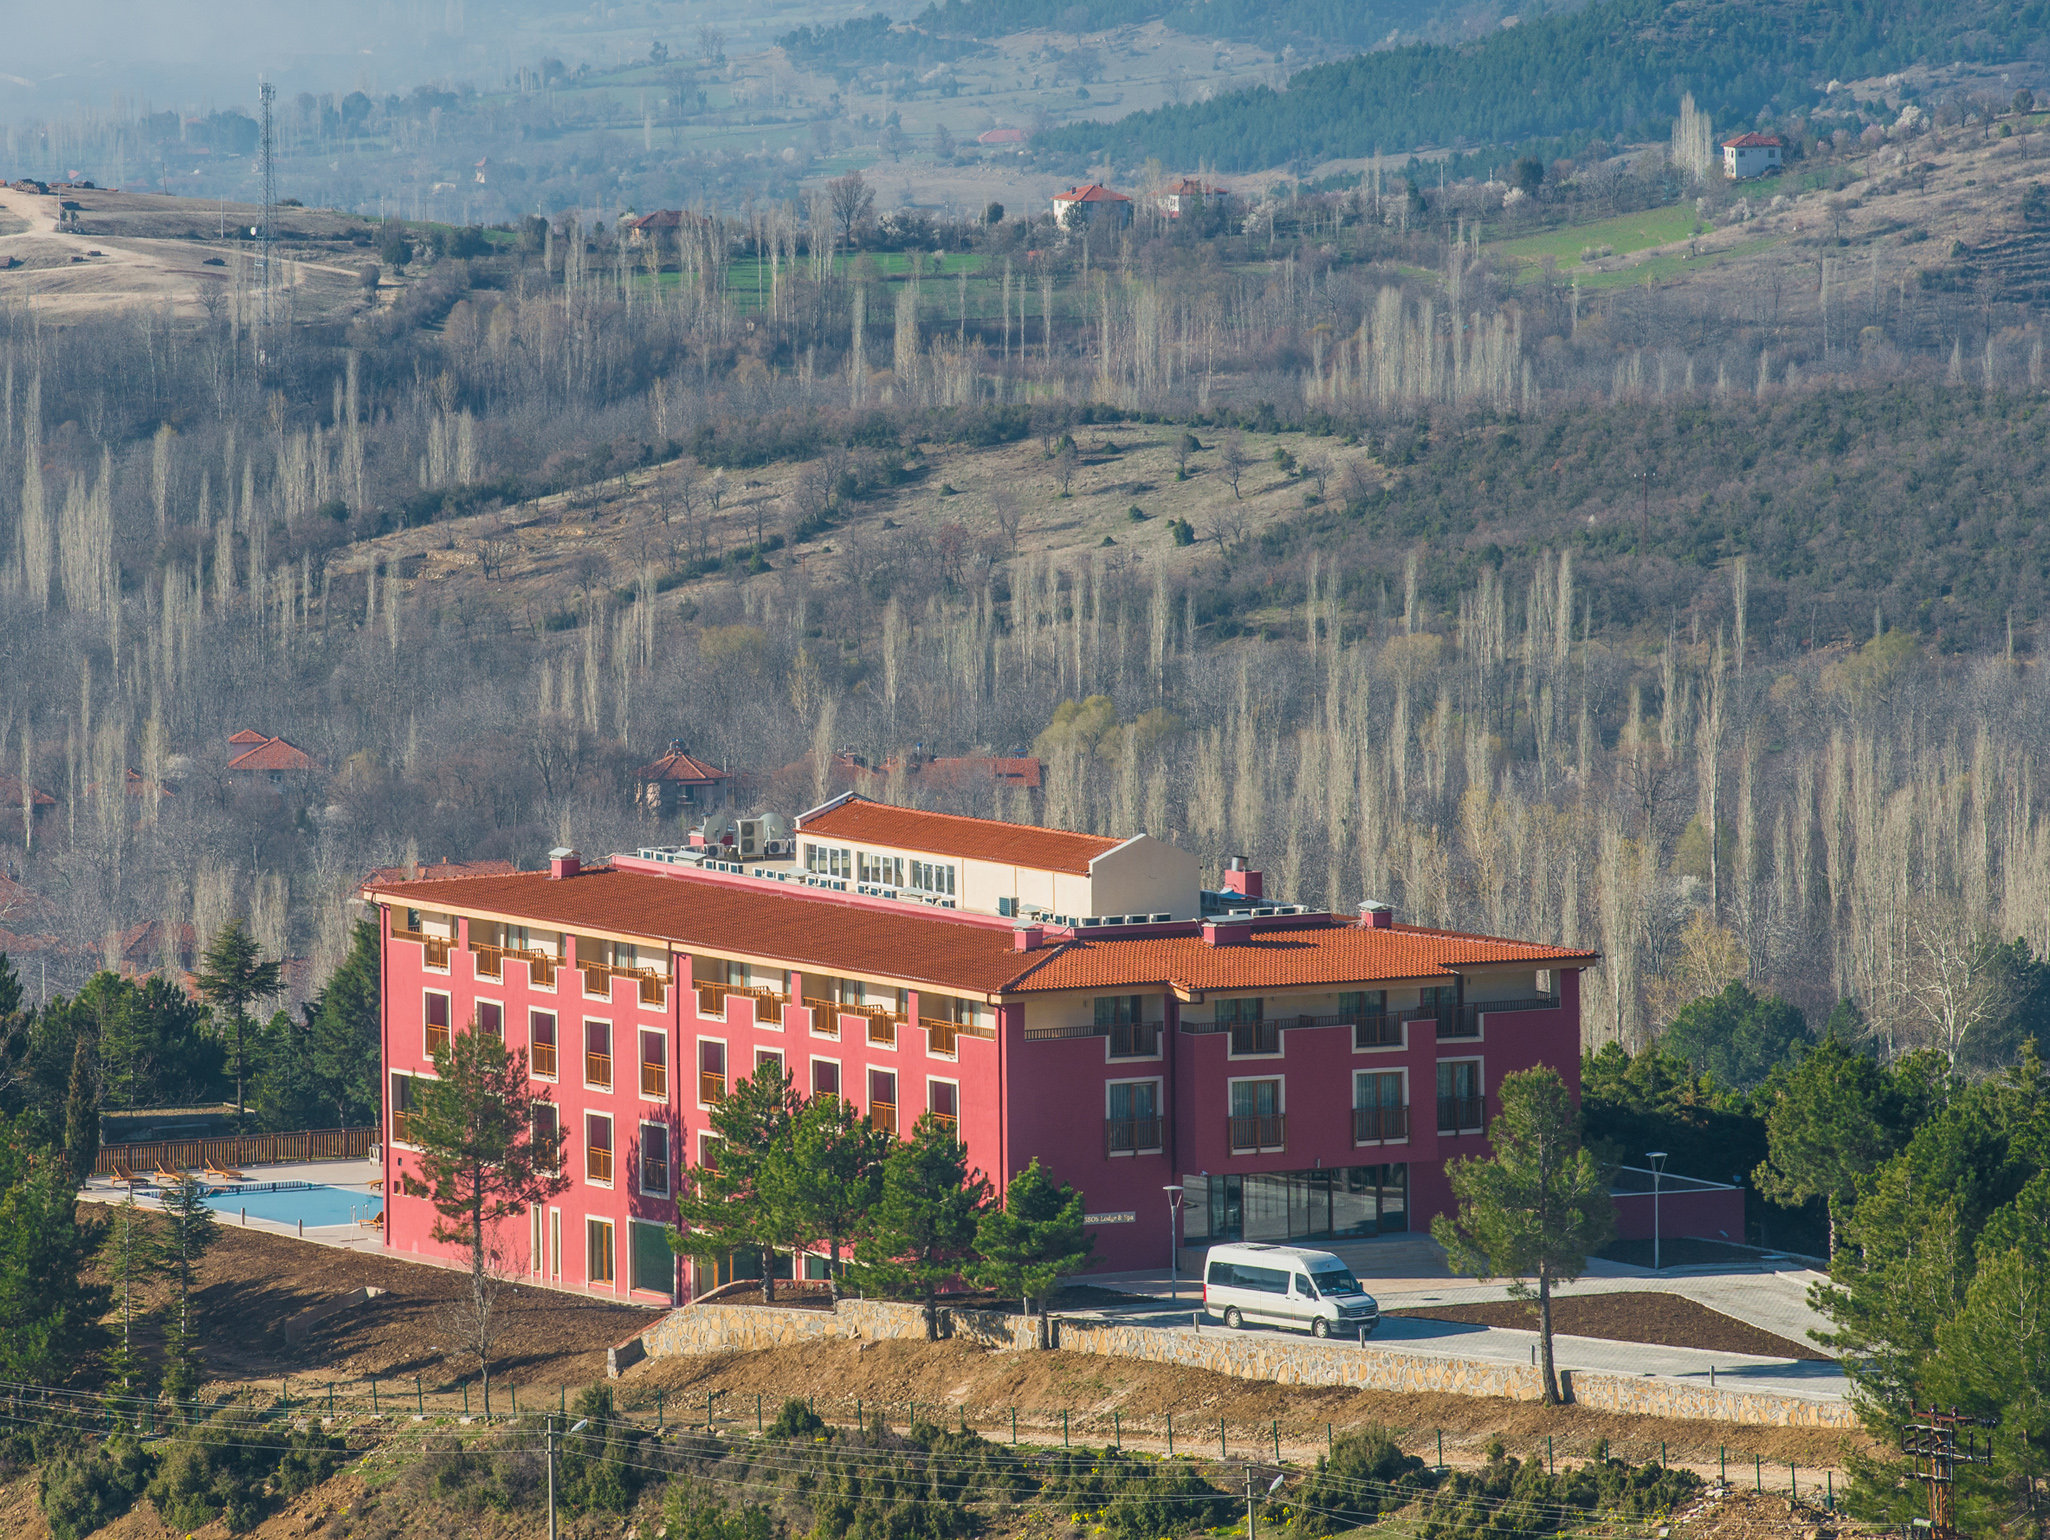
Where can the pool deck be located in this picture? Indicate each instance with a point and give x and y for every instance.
(364, 1176)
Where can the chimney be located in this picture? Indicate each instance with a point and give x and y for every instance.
(1216, 933)
(1027, 937)
(1375, 915)
(563, 862)
(1238, 879)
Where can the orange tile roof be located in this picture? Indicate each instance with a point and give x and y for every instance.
(273, 754)
(679, 766)
(951, 834)
(698, 912)
(441, 871)
(247, 736)
(1091, 192)
(809, 929)
(1281, 957)
(1752, 142)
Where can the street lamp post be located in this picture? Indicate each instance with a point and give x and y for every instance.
(1658, 1166)
(1174, 1233)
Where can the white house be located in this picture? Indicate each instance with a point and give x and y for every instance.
(1750, 155)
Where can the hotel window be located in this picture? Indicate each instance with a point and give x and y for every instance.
(547, 1137)
(555, 1244)
(598, 1243)
(541, 1024)
(437, 1018)
(1249, 1034)
(767, 1056)
(884, 871)
(943, 1099)
(825, 1078)
(598, 1055)
(829, 860)
(654, 1065)
(882, 1100)
(655, 1159)
(598, 1152)
(711, 1071)
(401, 1108)
(1461, 1109)
(491, 1019)
(932, 877)
(1132, 1117)
(653, 1263)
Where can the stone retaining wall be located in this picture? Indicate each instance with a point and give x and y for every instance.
(1271, 1356)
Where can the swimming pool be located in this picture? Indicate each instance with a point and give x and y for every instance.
(292, 1203)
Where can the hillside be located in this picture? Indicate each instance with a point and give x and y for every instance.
(1616, 67)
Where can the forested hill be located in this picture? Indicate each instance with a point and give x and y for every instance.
(1616, 67)
(1340, 23)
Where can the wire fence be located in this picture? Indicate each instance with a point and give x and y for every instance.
(373, 1407)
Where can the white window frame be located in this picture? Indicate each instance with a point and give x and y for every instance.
(1280, 1042)
(930, 1082)
(485, 1000)
(555, 1243)
(640, 1167)
(532, 1073)
(1159, 1084)
(761, 1053)
(641, 1035)
(612, 1225)
(425, 995)
(612, 1132)
(839, 1074)
(1280, 1110)
(1480, 1079)
(698, 1070)
(391, 1106)
(1403, 1070)
(584, 1052)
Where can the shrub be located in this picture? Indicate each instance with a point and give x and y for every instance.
(84, 1492)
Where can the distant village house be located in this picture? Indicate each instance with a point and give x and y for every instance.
(680, 783)
(1750, 155)
(1188, 195)
(1093, 204)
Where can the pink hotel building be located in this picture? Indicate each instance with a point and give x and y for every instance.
(1301, 1075)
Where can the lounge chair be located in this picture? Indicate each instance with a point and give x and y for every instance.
(123, 1175)
(221, 1173)
(169, 1176)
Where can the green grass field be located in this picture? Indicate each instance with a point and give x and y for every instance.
(1623, 233)
(1659, 270)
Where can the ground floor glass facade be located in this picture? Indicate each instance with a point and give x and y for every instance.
(1330, 1204)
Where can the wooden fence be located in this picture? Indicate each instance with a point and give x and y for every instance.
(236, 1150)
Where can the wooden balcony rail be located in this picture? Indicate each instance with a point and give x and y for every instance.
(542, 1060)
(434, 951)
(437, 1040)
(1135, 1039)
(247, 1149)
(711, 1087)
(883, 1116)
(597, 1164)
(401, 1127)
(1461, 1114)
(825, 1016)
(882, 1028)
(490, 960)
(1374, 1125)
(1263, 1131)
(1128, 1136)
(1256, 1037)
(712, 998)
(598, 1069)
(401, 933)
(947, 1120)
(654, 1079)
(653, 987)
(1377, 1030)
(654, 1173)
(941, 1037)
(540, 967)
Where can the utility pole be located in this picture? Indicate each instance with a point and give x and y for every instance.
(551, 1476)
(1932, 1444)
(267, 95)
(1252, 1522)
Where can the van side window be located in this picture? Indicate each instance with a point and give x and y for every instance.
(1302, 1287)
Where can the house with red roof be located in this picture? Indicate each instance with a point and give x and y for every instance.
(1081, 998)
(1089, 205)
(1188, 194)
(1002, 138)
(272, 762)
(682, 783)
(1749, 155)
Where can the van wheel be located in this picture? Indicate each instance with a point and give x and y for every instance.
(1232, 1318)
(1320, 1327)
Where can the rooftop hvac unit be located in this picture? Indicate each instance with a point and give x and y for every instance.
(1162, 919)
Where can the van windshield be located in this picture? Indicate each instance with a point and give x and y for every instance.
(1336, 1280)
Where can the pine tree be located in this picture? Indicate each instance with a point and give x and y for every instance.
(189, 1233)
(923, 1230)
(1536, 1208)
(1034, 1237)
(727, 1205)
(825, 1178)
(232, 977)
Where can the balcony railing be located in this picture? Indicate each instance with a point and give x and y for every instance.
(434, 951)
(1128, 1136)
(437, 1039)
(825, 1016)
(542, 1060)
(1465, 1020)
(598, 1069)
(597, 1164)
(1135, 1039)
(883, 1116)
(540, 967)
(1256, 1037)
(401, 1126)
(489, 960)
(712, 999)
(711, 1087)
(882, 1028)
(1377, 1030)
(947, 1120)
(654, 1079)
(941, 1037)
(1263, 1131)
(1461, 1114)
(654, 1174)
(1378, 1125)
